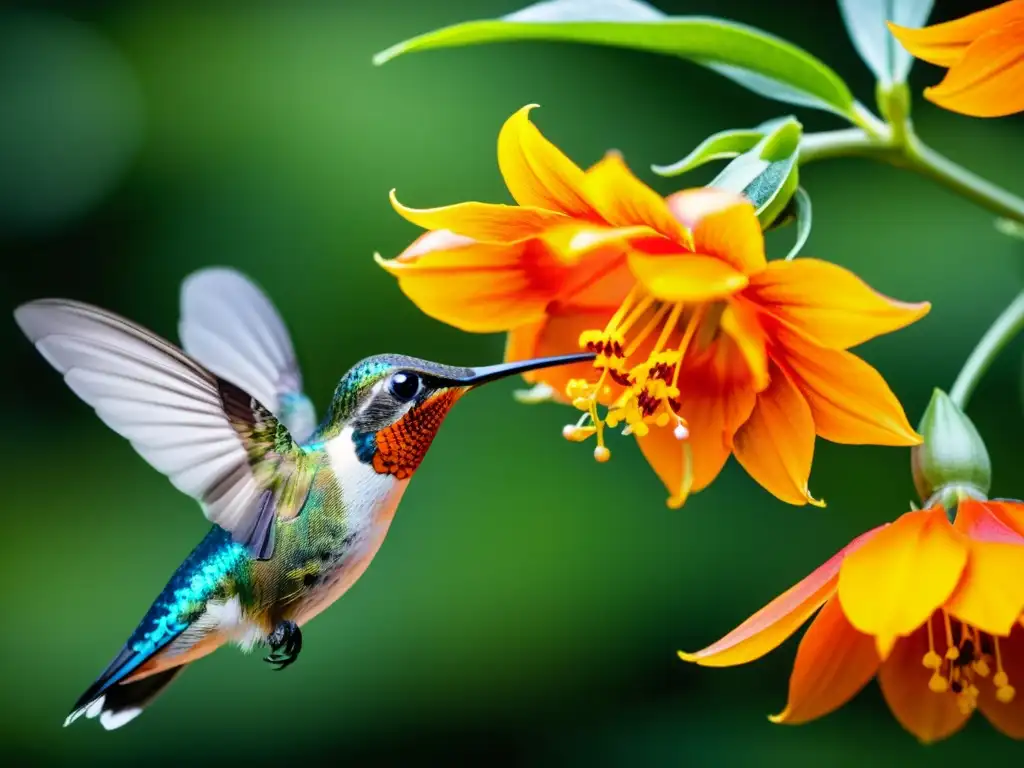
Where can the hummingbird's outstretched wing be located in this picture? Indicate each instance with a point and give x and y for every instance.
(213, 440)
(230, 326)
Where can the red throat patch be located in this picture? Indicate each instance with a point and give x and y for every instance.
(402, 446)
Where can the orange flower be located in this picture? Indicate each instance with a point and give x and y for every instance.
(984, 53)
(705, 348)
(933, 609)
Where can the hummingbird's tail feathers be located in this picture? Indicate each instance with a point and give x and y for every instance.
(230, 326)
(122, 703)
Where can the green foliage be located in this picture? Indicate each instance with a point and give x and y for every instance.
(718, 146)
(761, 62)
(800, 206)
(866, 23)
(765, 167)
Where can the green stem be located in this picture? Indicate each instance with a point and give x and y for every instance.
(904, 149)
(999, 334)
(928, 162)
(843, 143)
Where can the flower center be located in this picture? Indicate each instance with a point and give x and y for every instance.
(969, 658)
(650, 388)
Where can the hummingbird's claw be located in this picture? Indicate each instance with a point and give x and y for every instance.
(285, 642)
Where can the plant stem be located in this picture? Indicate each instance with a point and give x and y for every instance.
(999, 334)
(843, 143)
(927, 161)
(906, 150)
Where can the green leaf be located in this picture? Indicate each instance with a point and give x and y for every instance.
(802, 212)
(757, 60)
(865, 21)
(718, 146)
(767, 174)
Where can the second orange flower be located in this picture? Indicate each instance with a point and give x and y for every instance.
(705, 348)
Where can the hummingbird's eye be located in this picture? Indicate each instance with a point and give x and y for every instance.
(404, 385)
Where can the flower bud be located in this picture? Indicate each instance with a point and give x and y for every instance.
(952, 461)
(893, 102)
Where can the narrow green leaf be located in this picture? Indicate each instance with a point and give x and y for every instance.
(865, 21)
(802, 212)
(718, 146)
(775, 89)
(768, 174)
(759, 61)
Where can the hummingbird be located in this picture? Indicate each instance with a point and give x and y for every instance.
(299, 507)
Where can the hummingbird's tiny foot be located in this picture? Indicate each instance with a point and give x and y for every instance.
(285, 642)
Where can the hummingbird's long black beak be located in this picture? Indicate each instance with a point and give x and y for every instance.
(494, 372)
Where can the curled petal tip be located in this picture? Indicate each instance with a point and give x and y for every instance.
(692, 658)
(781, 718)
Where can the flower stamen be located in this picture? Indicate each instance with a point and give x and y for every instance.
(1004, 691)
(650, 394)
(964, 664)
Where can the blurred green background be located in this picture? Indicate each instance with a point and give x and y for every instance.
(528, 604)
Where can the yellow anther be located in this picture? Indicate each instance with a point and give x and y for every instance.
(662, 420)
(1001, 680)
(932, 660)
(640, 429)
(1006, 693)
(577, 434)
(938, 683)
(981, 668)
(953, 653)
(602, 454)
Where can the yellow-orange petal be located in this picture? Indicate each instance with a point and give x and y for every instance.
(904, 679)
(558, 334)
(601, 281)
(1009, 513)
(944, 44)
(521, 344)
(776, 444)
(578, 239)
(767, 629)
(990, 595)
(989, 80)
(1007, 717)
(827, 303)
(834, 661)
(623, 200)
(685, 277)
(739, 319)
(477, 287)
(484, 222)
(723, 225)
(717, 399)
(712, 421)
(850, 401)
(891, 585)
(536, 172)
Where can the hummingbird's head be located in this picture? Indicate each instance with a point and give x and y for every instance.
(395, 404)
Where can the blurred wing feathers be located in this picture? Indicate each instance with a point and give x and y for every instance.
(214, 441)
(229, 325)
